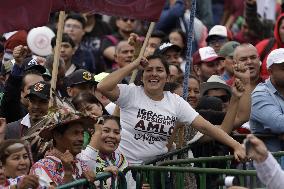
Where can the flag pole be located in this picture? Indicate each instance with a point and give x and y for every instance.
(56, 54)
(149, 33)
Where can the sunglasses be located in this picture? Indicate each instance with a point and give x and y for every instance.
(126, 19)
(224, 98)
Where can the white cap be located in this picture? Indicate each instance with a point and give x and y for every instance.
(205, 54)
(275, 57)
(100, 76)
(39, 40)
(218, 30)
(216, 78)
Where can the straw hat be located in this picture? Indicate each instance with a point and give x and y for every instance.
(62, 118)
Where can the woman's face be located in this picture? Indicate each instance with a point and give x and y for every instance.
(176, 39)
(93, 109)
(193, 92)
(110, 137)
(154, 76)
(17, 164)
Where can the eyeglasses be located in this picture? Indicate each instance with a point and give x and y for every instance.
(126, 19)
(72, 26)
(224, 98)
(217, 41)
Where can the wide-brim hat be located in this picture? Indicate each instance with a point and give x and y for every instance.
(214, 82)
(63, 118)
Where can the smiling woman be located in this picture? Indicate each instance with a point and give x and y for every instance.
(15, 158)
(148, 114)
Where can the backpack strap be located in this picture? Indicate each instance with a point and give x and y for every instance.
(267, 48)
(113, 39)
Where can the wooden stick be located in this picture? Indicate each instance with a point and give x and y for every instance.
(57, 54)
(150, 30)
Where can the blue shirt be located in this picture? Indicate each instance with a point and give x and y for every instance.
(267, 114)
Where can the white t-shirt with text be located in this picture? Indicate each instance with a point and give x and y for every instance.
(147, 124)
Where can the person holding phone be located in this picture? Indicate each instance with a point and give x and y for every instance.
(268, 170)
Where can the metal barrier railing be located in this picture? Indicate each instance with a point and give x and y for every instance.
(147, 174)
(83, 183)
(164, 171)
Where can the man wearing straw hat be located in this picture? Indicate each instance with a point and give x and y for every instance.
(66, 161)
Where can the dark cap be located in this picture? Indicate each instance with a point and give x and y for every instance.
(166, 46)
(31, 64)
(40, 89)
(81, 76)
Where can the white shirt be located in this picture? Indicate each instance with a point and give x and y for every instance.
(270, 173)
(26, 121)
(147, 124)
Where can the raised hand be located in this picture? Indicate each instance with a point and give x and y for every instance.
(241, 71)
(29, 181)
(19, 53)
(112, 169)
(238, 88)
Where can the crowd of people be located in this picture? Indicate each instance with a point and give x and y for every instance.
(102, 118)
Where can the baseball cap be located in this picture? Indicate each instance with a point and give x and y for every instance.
(218, 30)
(40, 89)
(81, 76)
(205, 54)
(275, 57)
(228, 48)
(166, 46)
(214, 82)
(31, 64)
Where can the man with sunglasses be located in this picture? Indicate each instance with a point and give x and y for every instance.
(125, 26)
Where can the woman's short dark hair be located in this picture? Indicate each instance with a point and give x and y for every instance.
(6, 144)
(164, 62)
(115, 118)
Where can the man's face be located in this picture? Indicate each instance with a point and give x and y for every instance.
(37, 108)
(126, 25)
(71, 139)
(74, 29)
(173, 57)
(153, 44)
(84, 87)
(28, 81)
(207, 69)
(221, 94)
(124, 54)
(276, 74)
(217, 42)
(66, 51)
(249, 56)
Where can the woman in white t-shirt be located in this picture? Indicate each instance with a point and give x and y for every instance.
(149, 114)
